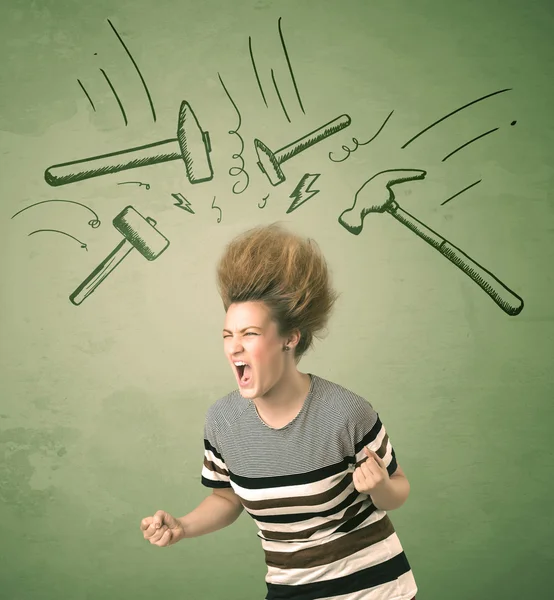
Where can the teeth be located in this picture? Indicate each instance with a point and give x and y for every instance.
(240, 364)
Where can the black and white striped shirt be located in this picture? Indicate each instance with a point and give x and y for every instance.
(321, 537)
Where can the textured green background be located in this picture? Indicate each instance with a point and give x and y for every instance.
(102, 405)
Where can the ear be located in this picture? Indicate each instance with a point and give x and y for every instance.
(293, 338)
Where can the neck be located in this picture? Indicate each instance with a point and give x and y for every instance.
(287, 394)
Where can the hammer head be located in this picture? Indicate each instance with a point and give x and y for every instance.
(268, 163)
(195, 145)
(140, 232)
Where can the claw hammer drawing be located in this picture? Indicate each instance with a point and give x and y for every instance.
(139, 233)
(270, 162)
(376, 196)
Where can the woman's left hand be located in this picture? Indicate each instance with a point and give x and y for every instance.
(370, 474)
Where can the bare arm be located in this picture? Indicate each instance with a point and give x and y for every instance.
(219, 510)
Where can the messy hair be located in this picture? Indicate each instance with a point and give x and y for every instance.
(285, 271)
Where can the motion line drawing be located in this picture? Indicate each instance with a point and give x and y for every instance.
(94, 223)
(270, 162)
(139, 233)
(372, 198)
(192, 145)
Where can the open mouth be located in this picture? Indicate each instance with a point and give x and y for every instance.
(244, 372)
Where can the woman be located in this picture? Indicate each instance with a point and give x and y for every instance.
(309, 460)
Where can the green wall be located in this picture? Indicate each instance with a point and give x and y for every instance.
(103, 402)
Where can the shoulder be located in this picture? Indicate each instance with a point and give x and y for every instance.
(350, 404)
(226, 410)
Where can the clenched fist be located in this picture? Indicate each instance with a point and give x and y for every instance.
(371, 474)
(162, 529)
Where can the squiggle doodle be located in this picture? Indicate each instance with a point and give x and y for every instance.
(83, 245)
(236, 171)
(94, 223)
(350, 150)
(219, 209)
(139, 183)
(264, 202)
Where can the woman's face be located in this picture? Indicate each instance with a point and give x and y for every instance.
(254, 348)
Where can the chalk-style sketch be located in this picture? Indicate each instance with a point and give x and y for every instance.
(236, 171)
(139, 183)
(139, 233)
(283, 107)
(87, 94)
(357, 143)
(275, 86)
(147, 91)
(303, 192)
(264, 200)
(289, 65)
(470, 142)
(376, 196)
(192, 145)
(94, 223)
(270, 162)
(83, 245)
(182, 202)
(256, 74)
(412, 139)
(461, 191)
(215, 207)
(116, 96)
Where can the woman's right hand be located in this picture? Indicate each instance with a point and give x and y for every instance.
(162, 529)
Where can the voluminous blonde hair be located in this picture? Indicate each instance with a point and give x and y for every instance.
(285, 271)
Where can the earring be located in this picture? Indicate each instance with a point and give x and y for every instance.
(286, 348)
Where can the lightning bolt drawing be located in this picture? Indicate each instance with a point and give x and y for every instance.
(302, 192)
(179, 204)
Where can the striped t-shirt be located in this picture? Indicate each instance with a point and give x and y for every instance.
(321, 538)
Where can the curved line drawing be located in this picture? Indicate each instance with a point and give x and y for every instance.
(94, 223)
(453, 113)
(264, 199)
(468, 143)
(139, 183)
(83, 245)
(137, 69)
(255, 69)
(290, 66)
(116, 96)
(461, 192)
(350, 150)
(219, 209)
(279, 95)
(377, 196)
(236, 171)
(87, 95)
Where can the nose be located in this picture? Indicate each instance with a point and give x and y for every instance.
(235, 346)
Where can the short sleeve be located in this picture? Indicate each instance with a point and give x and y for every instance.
(368, 430)
(214, 470)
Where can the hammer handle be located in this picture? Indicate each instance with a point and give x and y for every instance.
(312, 138)
(506, 299)
(101, 272)
(114, 162)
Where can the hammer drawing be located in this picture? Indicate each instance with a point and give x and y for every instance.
(372, 198)
(270, 162)
(139, 233)
(192, 145)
